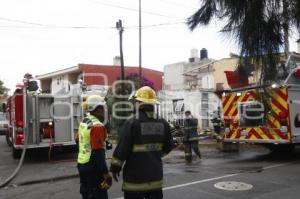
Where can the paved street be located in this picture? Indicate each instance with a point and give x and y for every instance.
(272, 175)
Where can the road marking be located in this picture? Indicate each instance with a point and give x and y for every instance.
(199, 182)
(220, 177)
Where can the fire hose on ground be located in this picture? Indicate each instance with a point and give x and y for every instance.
(16, 171)
(14, 174)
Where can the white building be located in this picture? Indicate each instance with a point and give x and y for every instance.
(191, 86)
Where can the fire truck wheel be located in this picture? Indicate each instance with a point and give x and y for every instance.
(281, 148)
(16, 153)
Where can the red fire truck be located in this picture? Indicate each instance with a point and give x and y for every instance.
(42, 120)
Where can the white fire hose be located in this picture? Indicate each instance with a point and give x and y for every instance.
(14, 174)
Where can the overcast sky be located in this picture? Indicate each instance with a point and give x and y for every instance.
(41, 36)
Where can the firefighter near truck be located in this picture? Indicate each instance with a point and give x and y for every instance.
(264, 114)
(42, 120)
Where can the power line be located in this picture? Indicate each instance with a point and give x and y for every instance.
(164, 24)
(177, 4)
(130, 9)
(58, 27)
(157, 25)
(45, 26)
(80, 27)
(21, 21)
(40, 25)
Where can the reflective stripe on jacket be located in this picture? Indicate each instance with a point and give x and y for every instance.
(147, 186)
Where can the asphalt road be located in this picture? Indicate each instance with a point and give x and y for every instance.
(272, 175)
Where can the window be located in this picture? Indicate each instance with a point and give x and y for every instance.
(204, 96)
(204, 104)
(178, 105)
(199, 82)
(204, 110)
(204, 116)
(292, 64)
(205, 123)
(251, 114)
(207, 81)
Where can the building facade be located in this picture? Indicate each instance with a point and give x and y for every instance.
(93, 77)
(191, 86)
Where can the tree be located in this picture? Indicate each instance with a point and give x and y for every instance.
(3, 89)
(111, 99)
(3, 94)
(261, 28)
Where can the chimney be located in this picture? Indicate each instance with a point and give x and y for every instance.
(117, 61)
(194, 55)
(203, 54)
(298, 45)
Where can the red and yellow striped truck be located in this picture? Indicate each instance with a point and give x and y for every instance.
(268, 115)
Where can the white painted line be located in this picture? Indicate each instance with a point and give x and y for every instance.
(276, 165)
(218, 178)
(199, 182)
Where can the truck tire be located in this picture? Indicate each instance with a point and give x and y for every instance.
(16, 153)
(281, 148)
(229, 147)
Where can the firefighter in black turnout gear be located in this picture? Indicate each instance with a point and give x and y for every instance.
(144, 139)
(191, 140)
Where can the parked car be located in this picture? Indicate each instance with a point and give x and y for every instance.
(3, 123)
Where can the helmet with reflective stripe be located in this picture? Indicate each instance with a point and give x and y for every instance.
(146, 95)
(94, 101)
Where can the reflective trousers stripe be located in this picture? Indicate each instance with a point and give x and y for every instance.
(117, 162)
(146, 186)
(193, 139)
(190, 127)
(147, 147)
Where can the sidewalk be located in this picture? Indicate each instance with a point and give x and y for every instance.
(33, 172)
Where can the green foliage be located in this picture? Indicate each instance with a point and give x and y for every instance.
(3, 94)
(3, 89)
(126, 90)
(260, 27)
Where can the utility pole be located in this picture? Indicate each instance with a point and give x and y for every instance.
(123, 92)
(140, 43)
(285, 26)
(121, 29)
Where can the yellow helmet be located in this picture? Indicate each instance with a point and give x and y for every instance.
(146, 95)
(93, 102)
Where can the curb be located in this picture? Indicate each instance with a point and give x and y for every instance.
(51, 179)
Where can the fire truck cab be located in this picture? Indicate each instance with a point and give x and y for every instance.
(265, 114)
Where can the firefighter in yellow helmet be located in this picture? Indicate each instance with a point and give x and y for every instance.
(94, 176)
(144, 139)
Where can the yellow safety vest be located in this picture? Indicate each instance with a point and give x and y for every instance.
(85, 148)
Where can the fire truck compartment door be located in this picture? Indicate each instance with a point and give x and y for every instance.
(62, 112)
(294, 108)
(31, 120)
